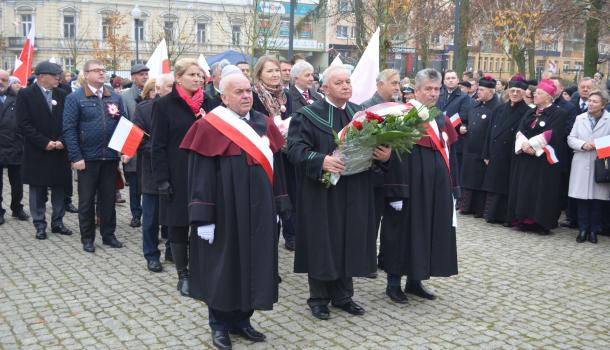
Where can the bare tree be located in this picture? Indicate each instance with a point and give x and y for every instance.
(77, 44)
(114, 47)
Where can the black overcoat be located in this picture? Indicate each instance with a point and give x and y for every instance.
(297, 101)
(11, 140)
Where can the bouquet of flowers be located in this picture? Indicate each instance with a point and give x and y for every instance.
(392, 124)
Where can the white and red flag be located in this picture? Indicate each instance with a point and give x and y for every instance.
(364, 76)
(551, 157)
(158, 63)
(23, 64)
(602, 145)
(455, 120)
(126, 137)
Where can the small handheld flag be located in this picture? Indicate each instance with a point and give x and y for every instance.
(602, 145)
(455, 120)
(551, 157)
(126, 137)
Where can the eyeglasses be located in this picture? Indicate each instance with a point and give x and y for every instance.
(97, 70)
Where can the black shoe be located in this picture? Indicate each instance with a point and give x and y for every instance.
(89, 247)
(221, 340)
(352, 308)
(41, 233)
(113, 243)
(320, 311)
(154, 266)
(289, 245)
(62, 230)
(70, 208)
(507, 224)
(582, 236)
(419, 290)
(21, 215)
(593, 237)
(168, 255)
(250, 333)
(1, 219)
(372, 275)
(396, 294)
(135, 222)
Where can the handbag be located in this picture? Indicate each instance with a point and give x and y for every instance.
(602, 170)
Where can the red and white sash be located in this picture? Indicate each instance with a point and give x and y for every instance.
(242, 134)
(437, 142)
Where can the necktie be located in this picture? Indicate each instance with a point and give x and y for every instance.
(583, 107)
(306, 95)
(49, 98)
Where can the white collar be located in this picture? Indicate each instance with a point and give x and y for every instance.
(43, 88)
(299, 90)
(247, 116)
(583, 101)
(332, 104)
(94, 90)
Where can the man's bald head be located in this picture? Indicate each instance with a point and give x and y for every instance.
(337, 85)
(236, 93)
(3, 81)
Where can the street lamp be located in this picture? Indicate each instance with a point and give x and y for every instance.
(136, 13)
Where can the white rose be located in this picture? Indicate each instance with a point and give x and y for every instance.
(423, 113)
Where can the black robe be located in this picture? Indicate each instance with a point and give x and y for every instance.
(534, 185)
(226, 187)
(419, 241)
(335, 227)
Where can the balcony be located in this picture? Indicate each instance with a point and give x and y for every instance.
(16, 42)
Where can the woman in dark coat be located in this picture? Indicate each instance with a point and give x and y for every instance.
(498, 151)
(173, 115)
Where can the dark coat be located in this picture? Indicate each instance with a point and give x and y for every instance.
(375, 100)
(297, 100)
(142, 117)
(572, 110)
(39, 126)
(450, 104)
(11, 140)
(171, 119)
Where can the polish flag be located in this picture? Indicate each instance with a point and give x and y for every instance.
(455, 120)
(126, 137)
(551, 157)
(23, 64)
(602, 145)
(158, 63)
(364, 76)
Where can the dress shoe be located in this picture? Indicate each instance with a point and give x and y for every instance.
(21, 215)
(250, 333)
(89, 247)
(41, 233)
(135, 222)
(62, 230)
(396, 294)
(593, 237)
(320, 311)
(154, 266)
(351, 307)
(1, 219)
(372, 275)
(113, 243)
(582, 236)
(289, 245)
(221, 340)
(419, 290)
(70, 208)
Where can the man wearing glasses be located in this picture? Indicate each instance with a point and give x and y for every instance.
(90, 116)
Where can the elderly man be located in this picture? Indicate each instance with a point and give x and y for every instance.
(11, 148)
(335, 226)
(91, 114)
(131, 97)
(45, 163)
(301, 92)
(235, 184)
(212, 91)
(388, 88)
(418, 229)
(579, 100)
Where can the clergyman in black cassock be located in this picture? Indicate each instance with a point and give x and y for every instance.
(417, 233)
(335, 226)
(235, 270)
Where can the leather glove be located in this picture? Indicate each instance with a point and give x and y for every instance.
(396, 205)
(166, 190)
(206, 232)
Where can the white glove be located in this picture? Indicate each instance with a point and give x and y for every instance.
(277, 219)
(206, 232)
(396, 205)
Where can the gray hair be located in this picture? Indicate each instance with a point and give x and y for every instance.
(427, 74)
(224, 82)
(584, 79)
(300, 67)
(164, 78)
(386, 74)
(327, 73)
(602, 93)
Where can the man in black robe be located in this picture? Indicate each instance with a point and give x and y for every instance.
(473, 167)
(335, 226)
(498, 151)
(233, 205)
(418, 228)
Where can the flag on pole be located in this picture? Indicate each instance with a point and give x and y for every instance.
(365, 74)
(126, 137)
(158, 63)
(602, 145)
(455, 120)
(551, 157)
(23, 64)
(203, 63)
(337, 61)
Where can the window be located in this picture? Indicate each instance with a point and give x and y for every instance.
(342, 32)
(26, 24)
(306, 30)
(497, 66)
(345, 6)
(69, 27)
(284, 28)
(201, 33)
(353, 32)
(67, 63)
(139, 29)
(236, 35)
(106, 28)
(169, 30)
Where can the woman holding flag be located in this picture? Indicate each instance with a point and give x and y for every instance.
(589, 126)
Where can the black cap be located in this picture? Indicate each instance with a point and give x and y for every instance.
(46, 67)
(408, 90)
(488, 82)
(465, 83)
(521, 84)
(137, 68)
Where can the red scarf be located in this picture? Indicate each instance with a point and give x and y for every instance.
(194, 102)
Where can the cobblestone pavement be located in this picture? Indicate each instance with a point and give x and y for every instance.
(514, 290)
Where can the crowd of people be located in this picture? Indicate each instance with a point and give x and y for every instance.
(219, 179)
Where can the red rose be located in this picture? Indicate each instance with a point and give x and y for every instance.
(370, 116)
(358, 125)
